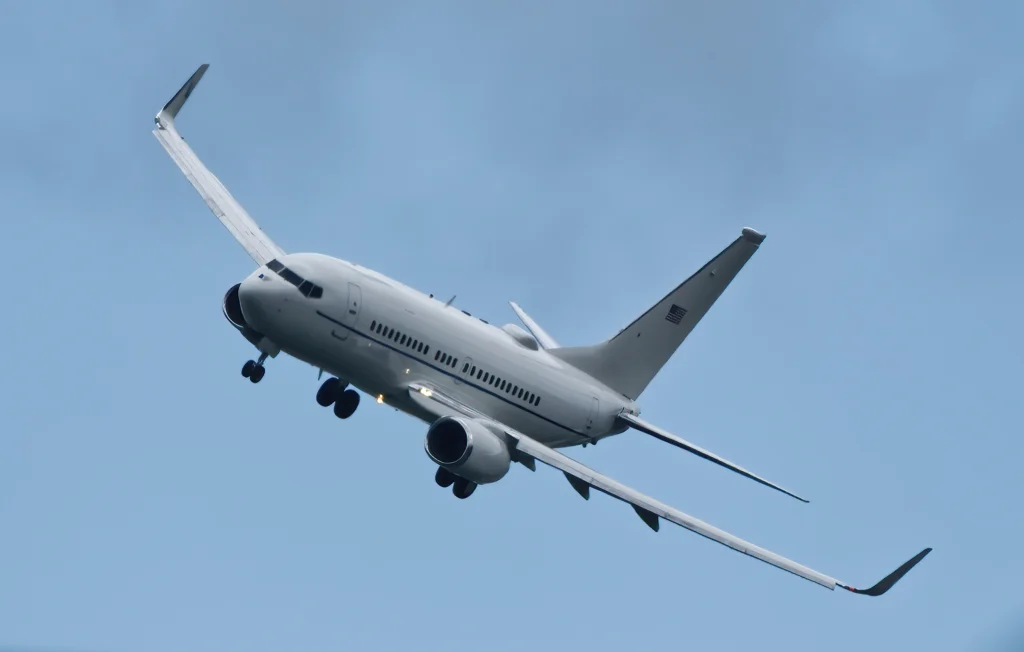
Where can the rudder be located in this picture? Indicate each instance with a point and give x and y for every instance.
(629, 361)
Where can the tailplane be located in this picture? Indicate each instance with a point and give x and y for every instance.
(629, 361)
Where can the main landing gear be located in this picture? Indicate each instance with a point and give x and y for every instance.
(254, 369)
(461, 487)
(334, 391)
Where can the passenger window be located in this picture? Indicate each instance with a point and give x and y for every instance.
(501, 385)
(515, 388)
(465, 367)
(391, 334)
(420, 347)
(316, 292)
(426, 349)
(520, 392)
(373, 324)
(479, 374)
(473, 370)
(380, 327)
(402, 341)
(455, 361)
(487, 377)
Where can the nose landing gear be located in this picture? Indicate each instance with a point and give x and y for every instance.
(333, 391)
(254, 369)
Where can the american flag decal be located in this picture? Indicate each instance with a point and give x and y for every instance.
(675, 314)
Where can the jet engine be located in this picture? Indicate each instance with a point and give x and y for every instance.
(233, 312)
(468, 449)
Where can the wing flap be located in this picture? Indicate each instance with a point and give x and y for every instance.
(227, 209)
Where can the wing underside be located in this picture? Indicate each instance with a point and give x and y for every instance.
(227, 209)
(651, 511)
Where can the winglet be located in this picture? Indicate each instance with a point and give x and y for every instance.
(889, 580)
(174, 105)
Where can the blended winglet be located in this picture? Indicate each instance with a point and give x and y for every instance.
(889, 580)
(170, 110)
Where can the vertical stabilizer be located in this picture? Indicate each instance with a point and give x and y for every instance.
(629, 361)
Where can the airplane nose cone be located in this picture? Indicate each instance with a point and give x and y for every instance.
(252, 295)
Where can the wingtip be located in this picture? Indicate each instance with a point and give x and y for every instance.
(889, 580)
(173, 106)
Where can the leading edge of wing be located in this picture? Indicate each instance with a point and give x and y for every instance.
(221, 202)
(642, 426)
(650, 510)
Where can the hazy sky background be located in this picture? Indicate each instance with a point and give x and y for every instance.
(580, 158)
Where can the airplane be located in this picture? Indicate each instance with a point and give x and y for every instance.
(491, 397)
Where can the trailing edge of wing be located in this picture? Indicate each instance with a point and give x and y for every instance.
(539, 334)
(639, 424)
(227, 209)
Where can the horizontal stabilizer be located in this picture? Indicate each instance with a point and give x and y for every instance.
(639, 424)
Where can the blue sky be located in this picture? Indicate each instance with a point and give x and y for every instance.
(580, 158)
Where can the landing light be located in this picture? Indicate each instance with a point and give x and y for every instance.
(380, 399)
(426, 392)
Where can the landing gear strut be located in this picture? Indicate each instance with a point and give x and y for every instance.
(334, 391)
(254, 369)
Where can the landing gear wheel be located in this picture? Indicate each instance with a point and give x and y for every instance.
(463, 488)
(329, 391)
(444, 477)
(346, 404)
(256, 375)
(247, 368)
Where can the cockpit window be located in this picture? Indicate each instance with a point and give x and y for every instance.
(307, 288)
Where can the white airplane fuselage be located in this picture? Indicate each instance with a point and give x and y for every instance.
(380, 336)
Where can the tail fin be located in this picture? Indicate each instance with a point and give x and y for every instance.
(629, 361)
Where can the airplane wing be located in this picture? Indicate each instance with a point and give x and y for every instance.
(231, 214)
(539, 334)
(582, 478)
(639, 424)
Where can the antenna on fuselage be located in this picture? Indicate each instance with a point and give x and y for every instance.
(450, 301)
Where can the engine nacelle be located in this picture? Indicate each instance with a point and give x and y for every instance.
(233, 312)
(468, 449)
